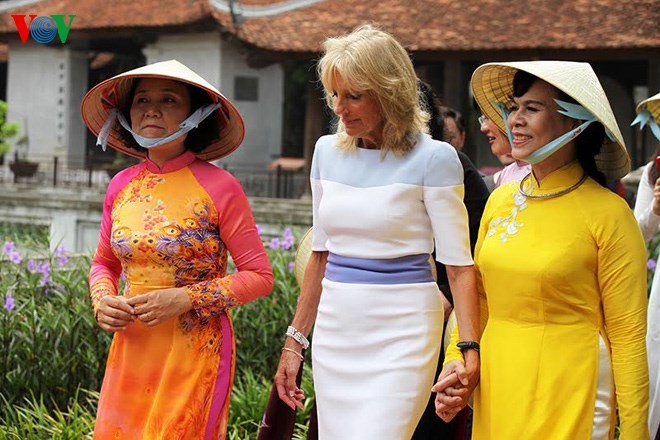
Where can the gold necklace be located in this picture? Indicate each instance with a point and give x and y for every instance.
(550, 195)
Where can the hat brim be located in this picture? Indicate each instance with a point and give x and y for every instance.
(492, 83)
(652, 105)
(100, 100)
(303, 253)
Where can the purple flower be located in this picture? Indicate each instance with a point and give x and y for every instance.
(275, 243)
(15, 257)
(9, 302)
(60, 256)
(287, 243)
(44, 269)
(259, 230)
(8, 247)
(287, 233)
(291, 267)
(650, 264)
(32, 265)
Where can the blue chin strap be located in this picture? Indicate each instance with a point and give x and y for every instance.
(574, 111)
(645, 117)
(188, 124)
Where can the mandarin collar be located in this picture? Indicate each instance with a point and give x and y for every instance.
(560, 178)
(175, 164)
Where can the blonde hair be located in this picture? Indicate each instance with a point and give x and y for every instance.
(372, 61)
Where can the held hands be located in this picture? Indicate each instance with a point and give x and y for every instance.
(158, 306)
(455, 385)
(285, 378)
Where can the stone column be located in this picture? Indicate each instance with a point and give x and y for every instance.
(45, 86)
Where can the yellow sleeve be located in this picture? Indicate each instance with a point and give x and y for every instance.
(622, 282)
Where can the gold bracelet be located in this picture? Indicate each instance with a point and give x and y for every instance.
(302, 359)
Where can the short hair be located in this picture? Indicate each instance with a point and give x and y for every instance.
(372, 61)
(448, 112)
(431, 103)
(207, 132)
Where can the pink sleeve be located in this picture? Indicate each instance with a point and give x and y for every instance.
(238, 232)
(106, 268)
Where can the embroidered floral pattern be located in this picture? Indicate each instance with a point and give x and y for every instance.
(101, 289)
(211, 297)
(505, 226)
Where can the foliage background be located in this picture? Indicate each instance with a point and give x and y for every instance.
(53, 356)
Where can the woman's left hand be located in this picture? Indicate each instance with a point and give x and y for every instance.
(158, 306)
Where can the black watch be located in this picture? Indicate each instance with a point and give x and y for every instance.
(468, 345)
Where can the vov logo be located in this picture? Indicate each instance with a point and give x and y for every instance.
(43, 29)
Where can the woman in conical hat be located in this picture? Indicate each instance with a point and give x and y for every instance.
(168, 224)
(562, 268)
(647, 212)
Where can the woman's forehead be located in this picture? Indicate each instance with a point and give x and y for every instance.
(160, 84)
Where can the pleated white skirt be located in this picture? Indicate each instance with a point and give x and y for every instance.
(375, 353)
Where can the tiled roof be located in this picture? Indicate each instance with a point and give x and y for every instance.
(455, 25)
(422, 25)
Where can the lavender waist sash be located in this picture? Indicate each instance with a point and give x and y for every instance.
(403, 270)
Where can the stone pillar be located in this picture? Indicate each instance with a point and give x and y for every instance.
(313, 124)
(453, 85)
(45, 86)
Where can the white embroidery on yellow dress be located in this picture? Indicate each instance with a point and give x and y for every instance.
(508, 225)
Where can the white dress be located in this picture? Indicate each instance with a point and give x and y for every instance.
(379, 325)
(649, 223)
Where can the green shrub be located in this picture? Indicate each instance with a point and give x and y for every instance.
(35, 420)
(53, 349)
(51, 344)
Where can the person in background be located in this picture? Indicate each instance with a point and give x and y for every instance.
(500, 147)
(384, 196)
(562, 269)
(647, 213)
(454, 127)
(168, 226)
(476, 194)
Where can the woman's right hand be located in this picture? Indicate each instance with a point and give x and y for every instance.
(285, 379)
(656, 197)
(114, 313)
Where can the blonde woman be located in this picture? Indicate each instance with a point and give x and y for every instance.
(383, 193)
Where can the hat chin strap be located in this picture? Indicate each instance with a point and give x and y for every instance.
(645, 117)
(188, 124)
(574, 111)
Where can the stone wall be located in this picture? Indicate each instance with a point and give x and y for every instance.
(74, 216)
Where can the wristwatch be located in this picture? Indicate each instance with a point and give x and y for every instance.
(468, 345)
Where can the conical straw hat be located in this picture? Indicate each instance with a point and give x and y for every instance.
(492, 83)
(303, 253)
(651, 104)
(113, 93)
